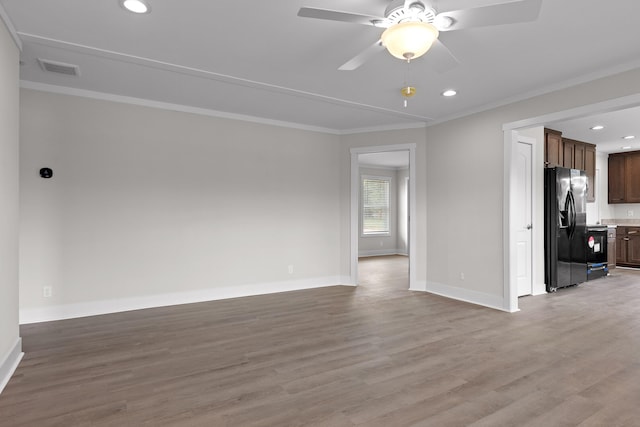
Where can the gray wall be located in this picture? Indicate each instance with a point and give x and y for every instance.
(9, 334)
(146, 202)
(465, 210)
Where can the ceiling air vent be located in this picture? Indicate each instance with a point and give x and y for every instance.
(59, 67)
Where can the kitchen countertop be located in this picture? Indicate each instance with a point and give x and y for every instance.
(621, 222)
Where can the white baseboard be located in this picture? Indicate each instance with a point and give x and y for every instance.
(347, 281)
(419, 286)
(93, 308)
(10, 362)
(381, 252)
(466, 295)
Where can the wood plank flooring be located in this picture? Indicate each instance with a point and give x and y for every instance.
(376, 355)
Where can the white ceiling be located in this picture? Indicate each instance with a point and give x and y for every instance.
(617, 124)
(259, 59)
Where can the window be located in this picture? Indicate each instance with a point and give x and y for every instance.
(375, 205)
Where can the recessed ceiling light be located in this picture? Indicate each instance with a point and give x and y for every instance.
(136, 6)
(626, 147)
(629, 137)
(449, 92)
(597, 127)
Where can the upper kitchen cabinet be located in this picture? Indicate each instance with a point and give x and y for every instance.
(553, 148)
(624, 177)
(616, 178)
(590, 169)
(572, 154)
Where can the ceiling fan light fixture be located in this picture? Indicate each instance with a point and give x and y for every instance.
(136, 6)
(409, 40)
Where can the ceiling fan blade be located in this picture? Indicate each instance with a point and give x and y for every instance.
(443, 59)
(498, 14)
(334, 15)
(362, 57)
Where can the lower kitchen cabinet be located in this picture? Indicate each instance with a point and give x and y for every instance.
(628, 246)
(633, 249)
(611, 248)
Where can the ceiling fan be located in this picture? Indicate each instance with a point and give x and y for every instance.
(413, 26)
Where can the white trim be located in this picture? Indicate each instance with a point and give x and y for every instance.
(416, 125)
(380, 252)
(4, 17)
(93, 308)
(610, 105)
(355, 195)
(347, 281)
(387, 168)
(510, 290)
(10, 363)
(64, 90)
(419, 286)
(467, 295)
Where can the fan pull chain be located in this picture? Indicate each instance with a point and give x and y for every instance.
(407, 91)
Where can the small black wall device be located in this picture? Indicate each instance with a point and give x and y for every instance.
(46, 173)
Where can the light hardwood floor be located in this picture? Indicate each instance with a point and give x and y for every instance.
(376, 355)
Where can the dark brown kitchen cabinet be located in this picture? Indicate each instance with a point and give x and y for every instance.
(632, 178)
(633, 250)
(616, 178)
(624, 177)
(611, 248)
(621, 246)
(628, 246)
(568, 153)
(574, 154)
(590, 169)
(578, 155)
(553, 148)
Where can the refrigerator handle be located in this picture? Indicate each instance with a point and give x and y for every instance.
(572, 214)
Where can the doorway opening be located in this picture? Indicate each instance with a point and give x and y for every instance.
(513, 133)
(382, 216)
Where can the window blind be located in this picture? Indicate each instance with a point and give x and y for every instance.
(375, 205)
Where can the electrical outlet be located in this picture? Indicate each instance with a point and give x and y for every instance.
(291, 269)
(381, 243)
(47, 291)
(629, 213)
(461, 276)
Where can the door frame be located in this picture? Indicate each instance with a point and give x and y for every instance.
(510, 291)
(355, 204)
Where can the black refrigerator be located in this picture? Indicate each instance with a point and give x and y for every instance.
(565, 227)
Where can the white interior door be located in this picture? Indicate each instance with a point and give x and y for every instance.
(522, 164)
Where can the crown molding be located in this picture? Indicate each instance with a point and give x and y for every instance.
(4, 16)
(64, 90)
